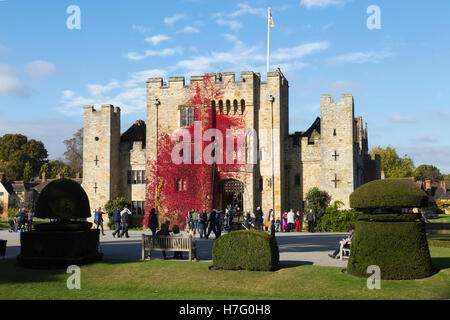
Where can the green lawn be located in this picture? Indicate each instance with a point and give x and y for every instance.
(443, 218)
(176, 280)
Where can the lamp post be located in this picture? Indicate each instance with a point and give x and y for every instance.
(271, 100)
(157, 103)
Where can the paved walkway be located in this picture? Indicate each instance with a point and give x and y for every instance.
(295, 248)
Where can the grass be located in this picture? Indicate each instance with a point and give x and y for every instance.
(442, 218)
(178, 280)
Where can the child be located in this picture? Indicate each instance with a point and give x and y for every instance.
(278, 225)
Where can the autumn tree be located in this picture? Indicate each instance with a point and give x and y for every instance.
(74, 152)
(427, 171)
(16, 151)
(391, 164)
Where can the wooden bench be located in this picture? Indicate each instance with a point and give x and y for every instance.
(345, 250)
(168, 243)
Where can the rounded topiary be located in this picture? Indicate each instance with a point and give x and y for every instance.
(246, 250)
(400, 249)
(395, 242)
(63, 199)
(388, 194)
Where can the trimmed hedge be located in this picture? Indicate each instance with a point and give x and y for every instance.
(63, 199)
(393, 217)
(439, 242)
(246, 250)
(338, 220)
(387, 194)
(400, 249)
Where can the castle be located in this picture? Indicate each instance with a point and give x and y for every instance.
(279, 167)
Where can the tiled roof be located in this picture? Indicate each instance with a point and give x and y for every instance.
(137, 132)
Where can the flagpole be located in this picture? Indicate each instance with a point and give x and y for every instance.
(268, 40)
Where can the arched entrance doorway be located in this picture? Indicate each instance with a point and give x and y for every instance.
(232, 192)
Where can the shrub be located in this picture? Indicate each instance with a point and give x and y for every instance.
(400, 249)
(388, 194)
(335, 220)
(439, 242)
(317, 201)
(11, 212)
(63, 199)
(246, 250)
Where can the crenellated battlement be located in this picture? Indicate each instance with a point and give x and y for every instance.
(327, 100)
(106, 108)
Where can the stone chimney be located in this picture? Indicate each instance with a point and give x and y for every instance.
(59, 176)
(2, 176)
(44, 177)
(77, 175)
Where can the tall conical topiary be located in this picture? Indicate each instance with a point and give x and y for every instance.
(385, 236)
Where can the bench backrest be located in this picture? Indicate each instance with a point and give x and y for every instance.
(167, 242)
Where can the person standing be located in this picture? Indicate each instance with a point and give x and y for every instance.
(98, 219)
(213, 223)
(125, 219)
(290, 220)
(298, 222)
(284, 221)
(311, 218)
(267, 220)
(203, 220)
(30, 220)
(258, 218)
(153, 223)
(195, 219)
(116, 220)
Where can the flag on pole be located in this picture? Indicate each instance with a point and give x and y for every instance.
(271, 19)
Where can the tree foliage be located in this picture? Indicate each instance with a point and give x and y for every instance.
(392, 165)
(74, 152)
(16, 150)
(28, 173)
(318, 201)
(427, 171)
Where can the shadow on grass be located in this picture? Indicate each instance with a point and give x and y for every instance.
(441, 263)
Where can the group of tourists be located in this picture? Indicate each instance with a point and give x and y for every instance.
(22, 222)
(215, 221)
(121, 219)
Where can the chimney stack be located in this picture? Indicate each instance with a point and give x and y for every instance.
(77, 176)
(59, 176)
(44, 177)
(2, 176)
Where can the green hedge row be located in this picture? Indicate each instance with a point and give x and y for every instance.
(246, 250)
(439, 242)
(335, 220)
(400, 249)
(394, 217)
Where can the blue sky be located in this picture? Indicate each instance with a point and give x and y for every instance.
(397, 74)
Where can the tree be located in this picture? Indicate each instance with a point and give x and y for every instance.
(317, 201)
(65, 172)
(426, 171)
(28, 173)
(44, 168)
(55, 166)
(16, 150)
(74, 152)
(391, 164)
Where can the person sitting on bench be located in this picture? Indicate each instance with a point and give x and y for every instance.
(164, 232)
(345, 243)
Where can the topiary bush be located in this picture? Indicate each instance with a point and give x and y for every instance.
(388, 194)
(335, 220)
(400, 249)
(384, 237)
(246, 250)
(63, 199)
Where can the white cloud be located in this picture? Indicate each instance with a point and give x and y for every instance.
(97, 90)
(244, 8)
(360, 57)
(323, 3)
(38, 68)
(232, 24)
(151, 53)
(397, 118)
(12, 86)
(424, 139)
(438, 156)
(141, 29)
(129, 95)
(299, 51)
(439, 114)
(3, 49)
(155, 40)
(173, 19)
(189, 29)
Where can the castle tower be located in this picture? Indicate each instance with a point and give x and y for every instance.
(101, 143)
(337, 147)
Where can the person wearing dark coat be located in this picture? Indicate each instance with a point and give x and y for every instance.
(116, 220)
(213, 224)
(125, 219)
(311, 218)
(203, 222)
(164, 232)
(259, 218)
(153, 223)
